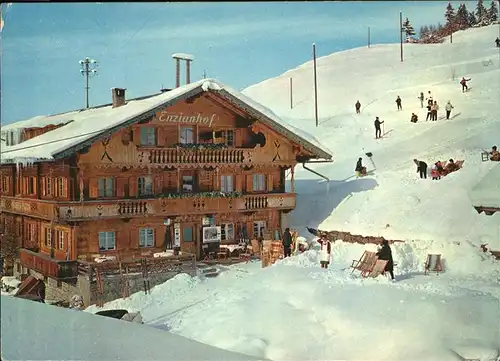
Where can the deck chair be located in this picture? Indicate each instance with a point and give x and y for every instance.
(378, 268)
(255, 247)
(433, 264)
(365, 264)
(485, 156)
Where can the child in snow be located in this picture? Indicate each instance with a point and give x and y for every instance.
(448, 108)
(325, 252)
(463, 82)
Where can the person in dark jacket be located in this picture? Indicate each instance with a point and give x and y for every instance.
(358, 107)
(398, 103)
(378, 132)
(497, 42)
(359, 167)
(385, 254)
(287, 242)
(421, 168)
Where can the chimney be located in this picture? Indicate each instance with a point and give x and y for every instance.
(177, 72)
(188, 71)
(118, 95)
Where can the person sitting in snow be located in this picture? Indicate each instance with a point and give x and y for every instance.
(414, 118)
(463, 82)
(358, 107)
(385, 254)
(451, 167)
(360, 170)
(437, 170)
(494, 154)
(325, 252)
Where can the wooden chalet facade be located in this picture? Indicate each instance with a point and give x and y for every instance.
(151, 181)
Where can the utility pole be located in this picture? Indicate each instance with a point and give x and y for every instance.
(315, 86)
(89, 68)
(204, 74)
(401, 32)
(368, 36)
(291, 94)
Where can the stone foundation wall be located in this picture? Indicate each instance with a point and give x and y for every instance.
(354, 238)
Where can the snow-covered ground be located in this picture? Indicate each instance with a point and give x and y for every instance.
(394, 202)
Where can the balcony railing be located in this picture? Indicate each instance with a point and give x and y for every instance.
(174, 206)
(30, 207)
(194, 156)
(49, 267)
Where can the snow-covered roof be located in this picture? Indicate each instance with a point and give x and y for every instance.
(41, 121)
(183, 56)
(486, 193)
(92, 124)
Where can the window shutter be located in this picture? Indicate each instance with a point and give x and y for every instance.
(269, 182)
(132, 186)
(237, 182)
(120, 186)
(93, 188)
(64, 181)
(249, 182)
(42, 185)
(137, 135)
(160, 137)
(158, 185)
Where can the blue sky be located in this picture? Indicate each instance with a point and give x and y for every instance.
(239, 43)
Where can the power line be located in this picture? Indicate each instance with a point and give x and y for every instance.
(88, 69)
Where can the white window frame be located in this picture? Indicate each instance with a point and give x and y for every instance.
(258, 228)
(32, 232)
(146, 237)
(48, 186)
(48, 237)
(60, 187)
(105, 239)
(186, 135)
(61, 239)
(106, 187)
(147, 136)
(259, 182)
(227, 232)
(145, 189)
(227, 183)
(228, 136)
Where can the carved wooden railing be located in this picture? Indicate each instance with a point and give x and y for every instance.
(190, 156)
(49, 267)
(30, 207)
(174, 206)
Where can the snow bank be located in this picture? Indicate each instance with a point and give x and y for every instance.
(90, 337)
(486, 193)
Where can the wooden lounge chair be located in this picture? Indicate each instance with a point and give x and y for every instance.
(365, 264)
(433, 264)
(378, 268)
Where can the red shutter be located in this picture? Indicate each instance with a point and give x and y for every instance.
(158, 185)
(120, 187)
(269, 182)
(93, 188)
(43, 190)
(249, 183)
(132, 186)
(160, 136)
(137, 135)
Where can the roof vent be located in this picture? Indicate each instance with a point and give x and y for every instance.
(118, 95)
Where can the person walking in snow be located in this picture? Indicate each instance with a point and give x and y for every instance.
(358, 107)
(434, 111)
(378, 131)
(448, 108)
(421, 97)
(287, 242)
(421, 168)
(429, 112)
(398, 103)
(497, 41)
(463, 82)
(385, 254)
(324, 252)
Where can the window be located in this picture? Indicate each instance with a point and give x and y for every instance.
(107, 241)
(48, 186)
(226, 183)
(31, 185)
(228, 135)
(186, 135)
(4, 184)
(148, 136)
(259, 182)
(258, 228)
(144, 186)
(48, 238)
(227, 231)
(187, 234)
(60, 183)
(32, 236)
(61, 236)
(146, 237)
(187, 183)
(106, 187)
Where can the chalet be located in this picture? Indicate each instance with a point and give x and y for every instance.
(191, 166)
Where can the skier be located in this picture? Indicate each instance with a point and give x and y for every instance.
(448, 108)
(463, 82)
(421, 97)
(429, 98)
(421, 168)
(398, 103)
(497, 41)
(287, 242)
(360, 170)
(358, 107)
(434, 111)
(378, 132)
(429, 112)
(325, 252)
(385, 254)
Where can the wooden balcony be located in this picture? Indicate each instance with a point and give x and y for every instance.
(166, 156)
(174, 206)
(49, 267)
(29, 207)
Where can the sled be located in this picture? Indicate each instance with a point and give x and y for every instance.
(433, 264)
(365, 264)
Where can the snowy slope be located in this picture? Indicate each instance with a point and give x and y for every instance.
(393, 202)
(32, 331)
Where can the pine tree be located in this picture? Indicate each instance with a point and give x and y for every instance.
(472, 19)
(482, 14)
(493, 11)
(449, 15)
(462, 17)
(408, 28)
